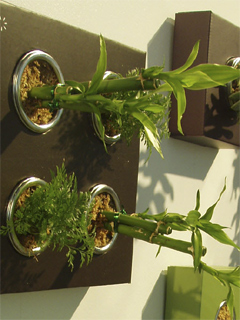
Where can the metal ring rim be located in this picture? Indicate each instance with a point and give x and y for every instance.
(22, 186)
(17, 75)
(96, 190)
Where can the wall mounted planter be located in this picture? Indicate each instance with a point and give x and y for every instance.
(25, 153)
(208, 120)
(34, 55)
(21, 187)
(96, 191)
(191, 295)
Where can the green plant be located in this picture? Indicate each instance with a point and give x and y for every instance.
(140, 101)
(59, 215)
(151, 228)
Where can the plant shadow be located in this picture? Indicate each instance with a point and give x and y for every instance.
(154, 307)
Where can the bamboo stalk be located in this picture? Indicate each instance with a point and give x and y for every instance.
(106, 86)
(145, 235)
(151, 226)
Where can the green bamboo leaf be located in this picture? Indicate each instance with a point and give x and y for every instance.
(216, 232)
(197, 80)
(197, 248)
(197, 200)
(101, 68)
(230, 300)
(100, 125)
(151, 72)
(205, 75)
(209, 213)
(156, 72)
(153, 139)
(180, 96)
(149, 128)
(174, 217)
(232, 277)
(234, 97)
(159, 249)
(192, 57)
(154, 108)
(236, 106)
(192, 218)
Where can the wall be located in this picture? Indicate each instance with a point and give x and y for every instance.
(163, 183)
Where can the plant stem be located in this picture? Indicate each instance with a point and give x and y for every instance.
(106, 86)
(148, 231)
(140, 223)
(145, 235)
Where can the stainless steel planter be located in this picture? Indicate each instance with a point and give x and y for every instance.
(108, 139)
(19, 189)
(218, 312)
(98, 189)
(18, 72)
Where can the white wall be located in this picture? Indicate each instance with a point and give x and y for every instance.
(170, 183)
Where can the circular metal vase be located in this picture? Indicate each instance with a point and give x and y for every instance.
(108, 139)
(18, 72)
(222, 304)
(19, 189)
(235, 63)
(97, 190)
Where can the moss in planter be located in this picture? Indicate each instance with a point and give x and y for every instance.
(224, 313)
(36, 74)
(103, 202)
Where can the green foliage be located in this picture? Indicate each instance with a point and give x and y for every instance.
(195, 223)
(59, 215)
(137, 102)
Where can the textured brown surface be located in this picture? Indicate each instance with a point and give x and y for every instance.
(24, 153)
(208, 119)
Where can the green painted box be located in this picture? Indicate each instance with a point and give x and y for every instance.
(193, 295)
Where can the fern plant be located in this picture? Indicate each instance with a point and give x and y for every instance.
(138, 102)
(57, 214)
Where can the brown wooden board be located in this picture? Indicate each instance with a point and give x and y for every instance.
(208, 119)
(24, 153)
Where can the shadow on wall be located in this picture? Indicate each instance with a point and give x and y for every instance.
(61, 307)
(180, 158)
(157, 298)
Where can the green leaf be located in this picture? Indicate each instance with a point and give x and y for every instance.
(192, 218)
(100, 125)
(236, 106)
(206, 76)
(154, 108)
(151, 72)
(230, 300)
(159, 249)
(156, 72)
(192, 57)
(197, 200)
(180, 96)
(197, 248)
(154, 139)
(209, 213)
(232, 277)
(101, 68)
(216, 232)
(149, 127)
